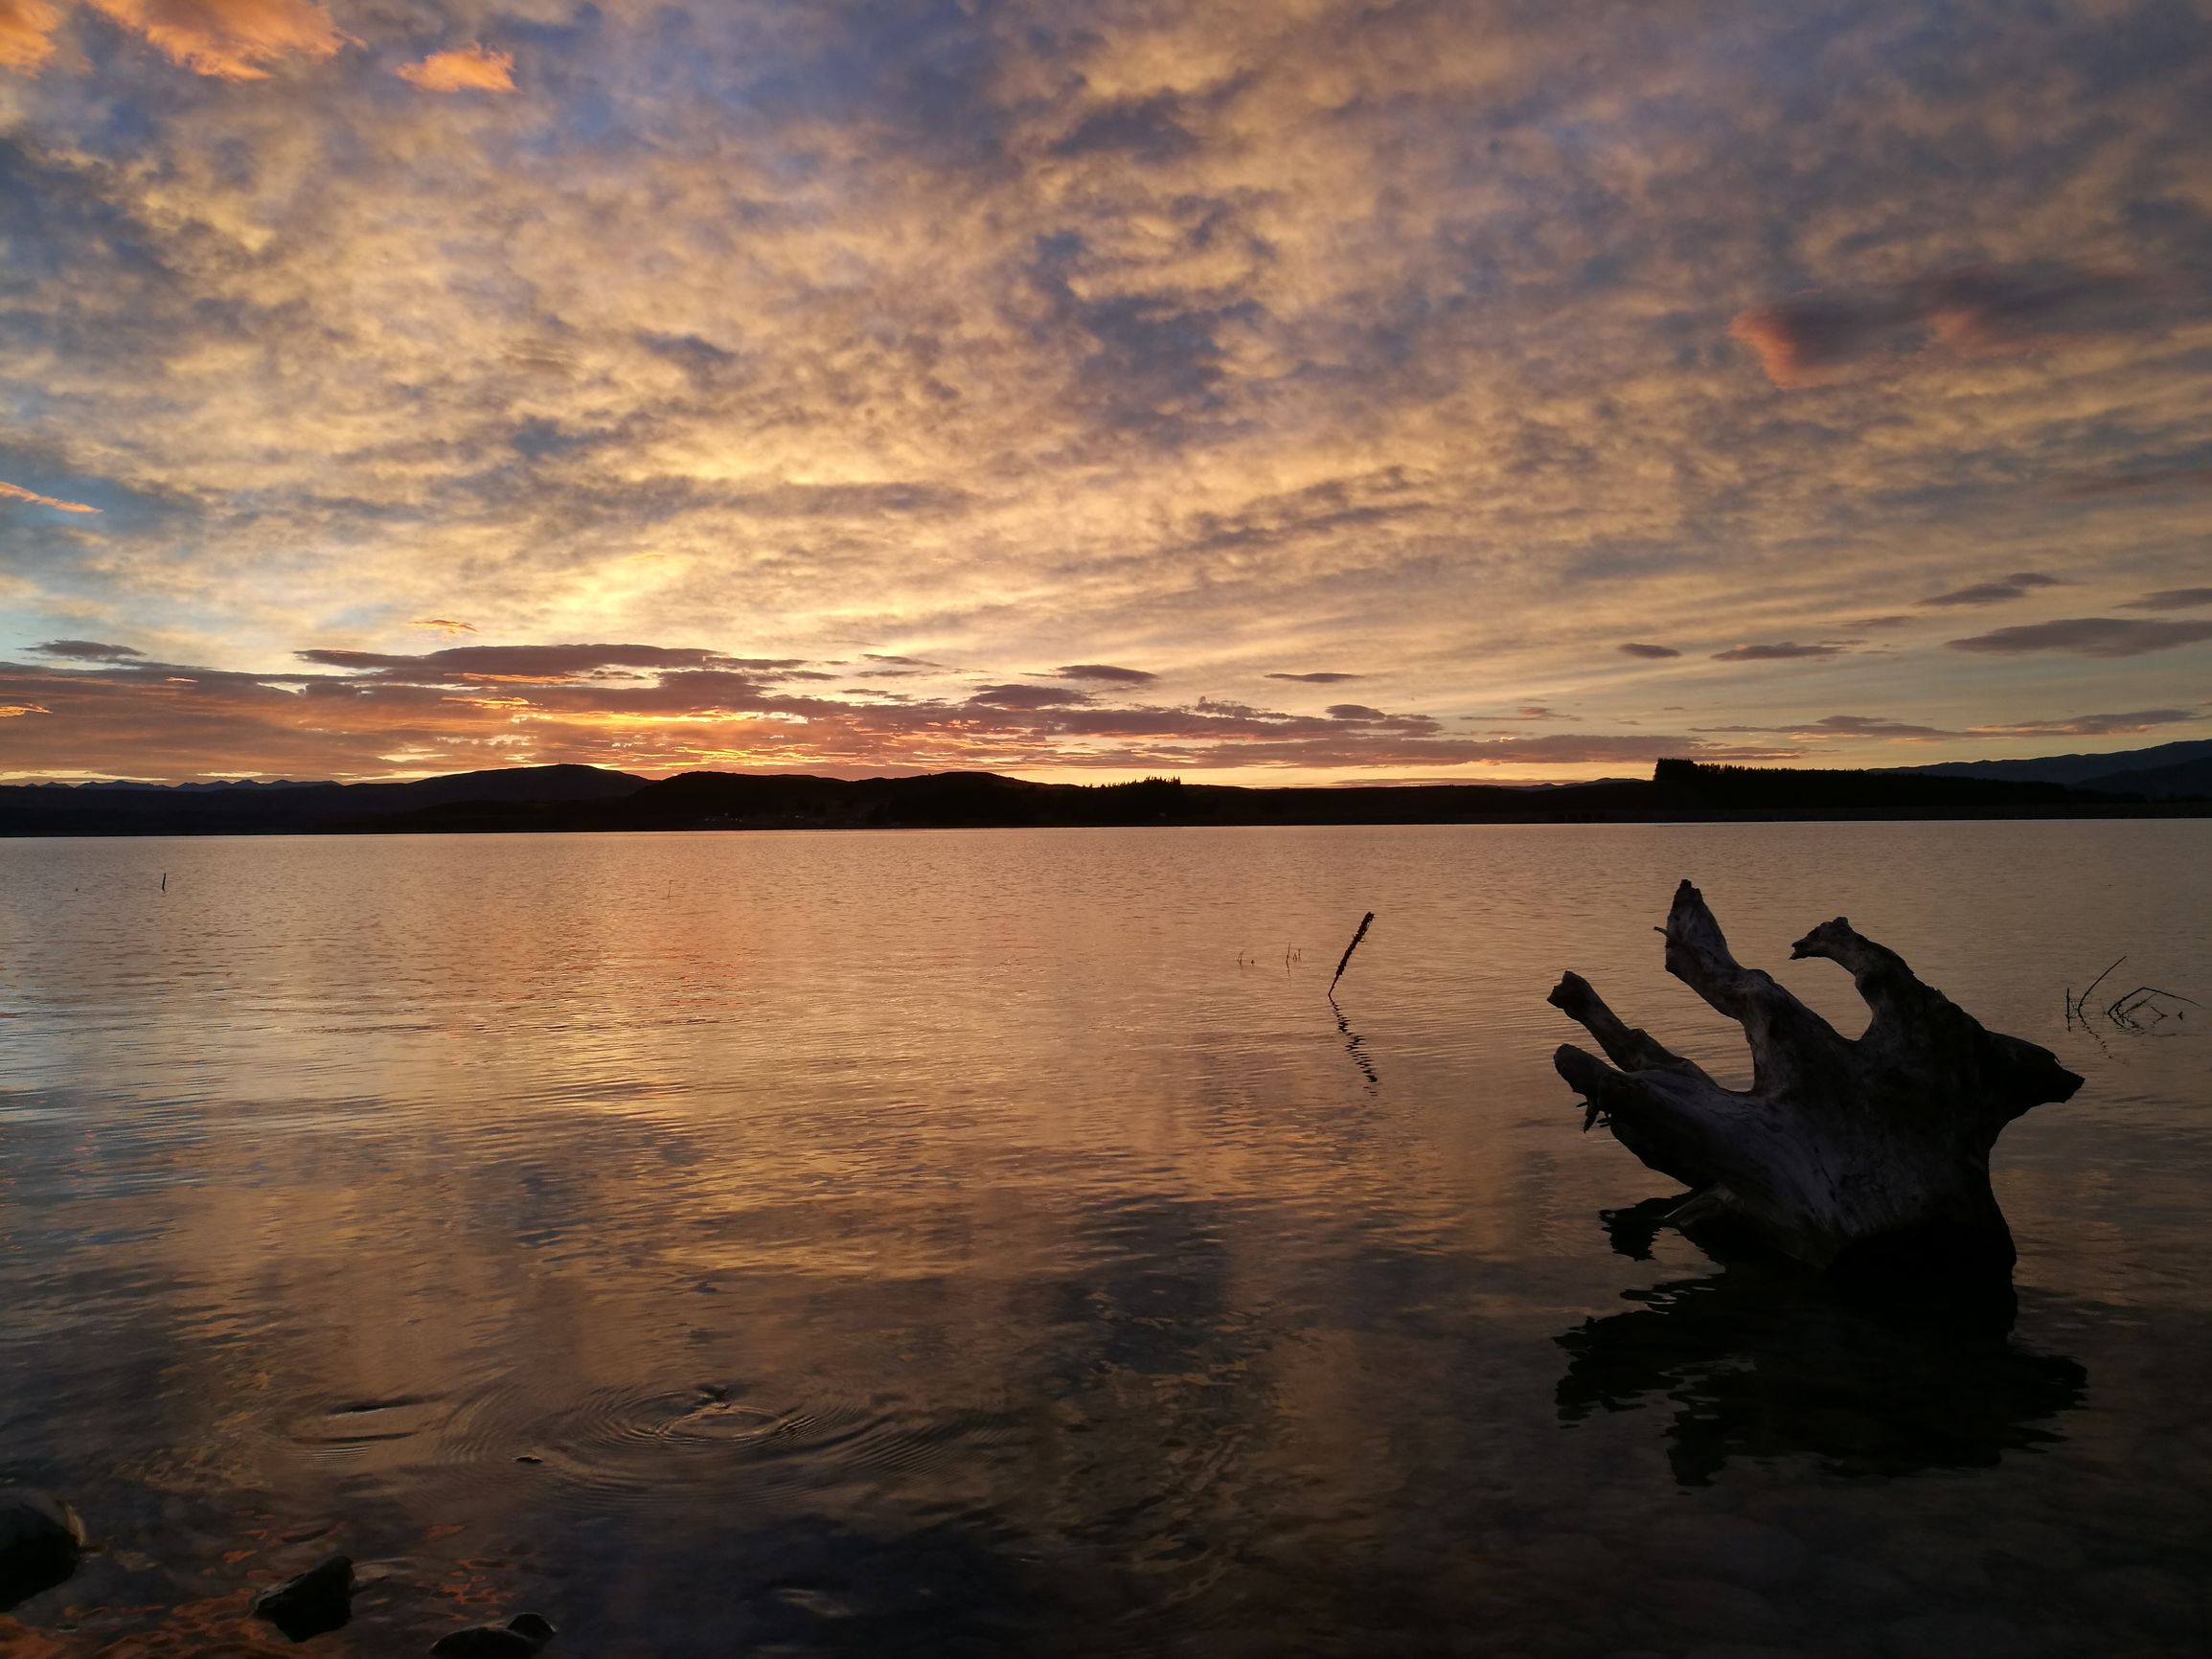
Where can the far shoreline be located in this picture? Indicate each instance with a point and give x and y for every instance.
(584, 800)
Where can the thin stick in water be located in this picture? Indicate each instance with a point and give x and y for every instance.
(1365, 921)
(2082, 1002)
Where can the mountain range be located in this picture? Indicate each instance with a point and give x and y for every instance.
(2164, 772)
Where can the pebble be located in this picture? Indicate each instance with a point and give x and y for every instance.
(320, 1599)
(524, 1635)
(41, 1539)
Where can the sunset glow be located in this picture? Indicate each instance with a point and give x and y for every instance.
(1277, 393)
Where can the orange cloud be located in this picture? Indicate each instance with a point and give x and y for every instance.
(445, 624)
(232, 40)
(16, 492)
(471, 68)
(27, 33)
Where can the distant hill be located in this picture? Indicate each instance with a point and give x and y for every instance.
(2164, 771)
(583, 798)
(2183, 780)
(513, 784)
(246, 808)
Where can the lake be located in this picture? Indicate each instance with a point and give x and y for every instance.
(996, 1242)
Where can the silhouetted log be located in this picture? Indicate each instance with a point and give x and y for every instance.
(1844, 1152)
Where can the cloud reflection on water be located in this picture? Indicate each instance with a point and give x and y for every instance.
(857, 1225)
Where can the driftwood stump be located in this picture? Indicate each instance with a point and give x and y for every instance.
(1867, 1153)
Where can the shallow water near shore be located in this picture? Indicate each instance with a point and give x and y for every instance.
(996, 1242)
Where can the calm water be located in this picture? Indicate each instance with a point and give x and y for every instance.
(976, 1243)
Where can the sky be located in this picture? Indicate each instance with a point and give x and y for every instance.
(1297, 392)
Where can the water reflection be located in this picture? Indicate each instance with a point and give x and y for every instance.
(1763, 1360)
(825, 1246)
(1355, 1046)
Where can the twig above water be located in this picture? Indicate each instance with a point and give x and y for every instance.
(1365, 923)
(2082, 1000)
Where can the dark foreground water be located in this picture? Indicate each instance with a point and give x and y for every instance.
(994, 1243)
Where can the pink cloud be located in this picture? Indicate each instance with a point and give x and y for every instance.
(471, 68)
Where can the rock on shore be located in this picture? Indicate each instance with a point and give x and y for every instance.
(321, 1599)
(41, 1539)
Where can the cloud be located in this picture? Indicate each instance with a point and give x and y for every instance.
(31, 498)
(15, 710)
(2011, 587)
(1525, 711)
(1905, 731)
(1377, 502)
(471, 68)
(86, 651)
(1108, 674)
(1845, 726)
(2090, 487)
(2094, 726)
(1818, 337)
(1872, 726)
(2095, 636)
(1323, 677)
(1985, 309)
(1148, 128)
(443, 625)
(1027, 697)
(26, 30)
(1656, 653)
(1814, 338)
(549, 665)
(2170, 599)
(368, 719)
(1783, 651)
(230, 39)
